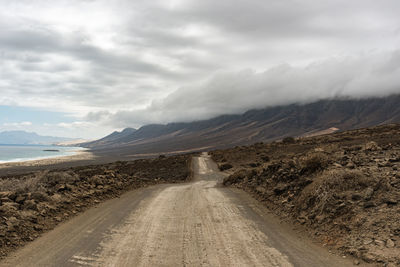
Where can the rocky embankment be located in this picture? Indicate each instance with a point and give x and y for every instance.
(34, 203)
(344, 188)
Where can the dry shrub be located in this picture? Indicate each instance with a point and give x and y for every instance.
(326, 188)
(238, 176)
(225, 166)
(24, 185)
(344, 180)
(37, 182)
(289, 140)
(314, 162)
(53, 178)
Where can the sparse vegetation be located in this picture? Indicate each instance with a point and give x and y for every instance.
(36, 202)
(314, 162)
(225, 166)
(344, 188)
(288, 140)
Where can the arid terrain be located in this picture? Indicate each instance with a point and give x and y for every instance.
(328, 200)
(199, 223)
(344, 188)
(33, 203)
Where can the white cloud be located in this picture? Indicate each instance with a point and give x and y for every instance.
(17, 124)
(135, 62)
(367, 75)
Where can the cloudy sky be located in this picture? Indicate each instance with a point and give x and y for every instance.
(82, 68)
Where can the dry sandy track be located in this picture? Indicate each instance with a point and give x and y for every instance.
(194, 224)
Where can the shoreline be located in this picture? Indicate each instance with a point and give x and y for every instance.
(78, 156)
(22, 160)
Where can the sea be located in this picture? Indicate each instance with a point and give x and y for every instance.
(17, 153)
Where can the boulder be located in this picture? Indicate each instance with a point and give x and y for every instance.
(372, 146)
(20, 199)
(30, 205)
(8, 208)
(367, 194)
(390, 243)
(39, 196)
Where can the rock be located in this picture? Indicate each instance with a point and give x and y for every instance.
(356, 262)
(260, 189)
(39, 196)
(9, 208)
(280, 188)
(3, 230)
(350, 165)
(5, 199)
(369, 204)
(38, 227)
(8, 194)
(337, 165)
(372, 146)
(254, 164)
(265, 158)
(390, 243)
(225, 166)
(368, 257)
(56, 198)
(61, 188)
(70, 187)
(356, 196)
(367, 194)
(11, 223)
(379, 243)
(391, 201)
(367, 241)
(20, 199)
(30, 205)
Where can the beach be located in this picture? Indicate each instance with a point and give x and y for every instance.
(80, 158)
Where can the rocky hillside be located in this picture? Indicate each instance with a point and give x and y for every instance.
(343, 187)
(253, 126)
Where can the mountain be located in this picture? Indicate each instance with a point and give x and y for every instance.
(267, 124)
(115, 136)
(28, 138)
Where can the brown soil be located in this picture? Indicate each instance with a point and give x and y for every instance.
(344, 188)
(34, 203)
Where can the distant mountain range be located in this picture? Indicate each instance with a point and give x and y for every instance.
(28, 138)
(267, 124)
(115, 136)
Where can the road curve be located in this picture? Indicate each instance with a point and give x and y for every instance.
(193, 224)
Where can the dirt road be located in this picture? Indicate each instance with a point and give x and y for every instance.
(193, 224)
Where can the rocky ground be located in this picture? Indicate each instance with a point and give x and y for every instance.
(33, 203)
(344, 188)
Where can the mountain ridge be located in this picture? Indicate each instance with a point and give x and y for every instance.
(259, 125)
(19, 137)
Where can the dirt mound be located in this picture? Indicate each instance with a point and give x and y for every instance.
(34, 203)
(343, 187)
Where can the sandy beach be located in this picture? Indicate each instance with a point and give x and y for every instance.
(80, 158)
(79, 155)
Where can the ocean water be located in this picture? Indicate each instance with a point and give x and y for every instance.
(16, 153)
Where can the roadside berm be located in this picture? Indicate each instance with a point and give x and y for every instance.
(343, 188)
(34, 203)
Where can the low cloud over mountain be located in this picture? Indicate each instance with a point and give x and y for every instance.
(128, 63)
(361, 76)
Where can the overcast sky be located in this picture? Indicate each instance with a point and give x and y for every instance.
(85, 68)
